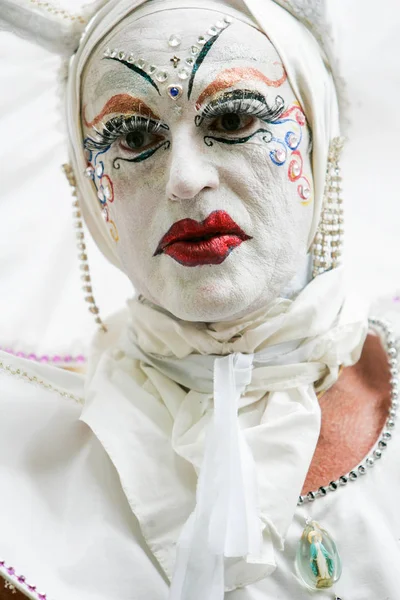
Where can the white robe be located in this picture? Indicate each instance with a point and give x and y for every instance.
(67, 527)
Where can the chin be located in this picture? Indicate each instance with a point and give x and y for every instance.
(212, 294)
(211, 302)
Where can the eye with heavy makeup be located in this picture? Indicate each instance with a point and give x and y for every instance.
(133, 133)
(236, 115)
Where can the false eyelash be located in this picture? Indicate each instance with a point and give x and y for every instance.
(120, 126)
(243, 102)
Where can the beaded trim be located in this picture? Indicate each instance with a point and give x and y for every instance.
(46, 358)
(19, 582)
(328, 242)
(81, 246)
(50, 8)
(21, 374)
(183, 66)
(386, 435)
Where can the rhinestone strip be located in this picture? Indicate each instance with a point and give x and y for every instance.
(25, 376)
(162, 75)
(386, 434)
(81, 246)
(19, 582)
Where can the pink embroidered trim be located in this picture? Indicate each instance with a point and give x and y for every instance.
(56, 360)
(20, 580)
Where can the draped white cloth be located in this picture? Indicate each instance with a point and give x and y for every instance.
(234, 400)
(68, 529)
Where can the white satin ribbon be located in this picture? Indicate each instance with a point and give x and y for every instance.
(226, 521)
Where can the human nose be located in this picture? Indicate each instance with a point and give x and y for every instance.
(190, 171)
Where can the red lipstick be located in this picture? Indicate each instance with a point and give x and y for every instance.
(208, 243)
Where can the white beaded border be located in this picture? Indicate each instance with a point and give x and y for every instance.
(59, 12)
(385, 436)
(19, 582)
(82, 251)
(21, 374)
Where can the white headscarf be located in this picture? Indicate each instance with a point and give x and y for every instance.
(303, 59)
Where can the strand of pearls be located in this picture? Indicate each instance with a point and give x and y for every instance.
(59, 12)
(82, 252)
(328, 242)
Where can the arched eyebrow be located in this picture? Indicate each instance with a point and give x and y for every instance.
(121, 103)
(135, 69)
(199, 61)
(229, 77)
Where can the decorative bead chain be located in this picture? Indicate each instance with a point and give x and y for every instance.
(46, 358)
(82, 252)
(50, 8)
(14, 582)
(21, 374)
(386, 434)
(328, 242)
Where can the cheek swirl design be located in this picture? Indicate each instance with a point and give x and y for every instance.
(295, 166)
(107, 188)
(305, 191)
(279, 155)
(290, 146)
(231, 115)
(104, 188)
(140, 136)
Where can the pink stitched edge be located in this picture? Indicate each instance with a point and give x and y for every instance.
(46, 358)
(20, 579)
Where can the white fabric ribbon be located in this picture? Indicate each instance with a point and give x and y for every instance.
(226, 521)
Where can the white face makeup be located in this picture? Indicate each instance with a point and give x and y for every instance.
(208, 194)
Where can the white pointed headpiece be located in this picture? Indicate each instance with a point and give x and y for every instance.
(58, 25)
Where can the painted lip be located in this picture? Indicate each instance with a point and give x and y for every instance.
(208, 243)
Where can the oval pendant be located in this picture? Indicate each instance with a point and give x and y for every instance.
(318, 562)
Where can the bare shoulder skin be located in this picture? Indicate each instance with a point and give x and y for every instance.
(354, 412)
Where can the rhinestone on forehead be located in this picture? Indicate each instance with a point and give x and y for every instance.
(162, 74)
(175, 91)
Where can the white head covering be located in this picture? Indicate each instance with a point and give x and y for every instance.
(303, 58)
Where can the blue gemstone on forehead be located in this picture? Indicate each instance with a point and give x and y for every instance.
(174, 92)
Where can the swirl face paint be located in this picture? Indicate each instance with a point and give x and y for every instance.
(224, 166)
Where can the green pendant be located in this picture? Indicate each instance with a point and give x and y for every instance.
(318, 562)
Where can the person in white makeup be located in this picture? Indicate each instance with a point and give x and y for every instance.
(243, 384)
